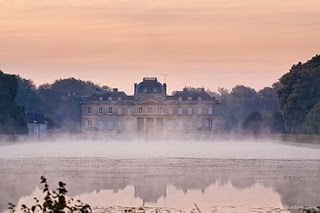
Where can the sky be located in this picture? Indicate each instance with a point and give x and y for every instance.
(198, 43)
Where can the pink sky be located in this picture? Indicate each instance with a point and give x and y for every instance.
(207, 43)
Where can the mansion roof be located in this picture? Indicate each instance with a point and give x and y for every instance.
(151, 88)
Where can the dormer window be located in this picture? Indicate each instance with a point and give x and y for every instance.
(100, 98)
(180, 98)
(144, 89)
(119, 99)
(189, 98)
(154, 90)
(199, 98)
(110, 98)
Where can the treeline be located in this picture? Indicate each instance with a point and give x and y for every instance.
(247, 110)
(59, 101)
(300, 97)
(291, 105)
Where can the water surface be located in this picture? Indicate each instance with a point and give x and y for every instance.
(217, 176)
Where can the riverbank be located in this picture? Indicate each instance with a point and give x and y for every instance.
(299, 138)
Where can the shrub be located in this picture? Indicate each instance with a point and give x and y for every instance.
(54, 201)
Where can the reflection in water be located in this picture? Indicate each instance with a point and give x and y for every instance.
(215, 175)
(223, 198)
(211, 183)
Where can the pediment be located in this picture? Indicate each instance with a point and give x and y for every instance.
(150, 100)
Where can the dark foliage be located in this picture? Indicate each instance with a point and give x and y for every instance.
(54, 201)
(60, 101)
(12, 117)
(238, 104)
(253, 123)
(300, 93)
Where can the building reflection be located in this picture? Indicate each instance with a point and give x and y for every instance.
(150, 178)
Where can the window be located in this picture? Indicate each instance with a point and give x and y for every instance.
(170, 124)
(110, 98)
(210, 110)
(170, 111)
(120, 111)
(110, 124)
(190, 111)
(128, 124)
(100, 125)
(180, 110)
(149, 109)
(180, 124)
(100, 98)
(140, 110)
(199, 124)
(189, 124)
(129, 111)
(89, 123)
(100, 110)
(199, 111)
(89, 110)
(110, 110)
(119, 124)
(210, 123)
(159, 110)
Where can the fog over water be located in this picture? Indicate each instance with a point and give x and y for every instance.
(263, 149)
(221, 176)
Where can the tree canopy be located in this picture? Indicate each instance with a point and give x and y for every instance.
(12, 117)
(242, 101)
(300, 93)
(59, 101)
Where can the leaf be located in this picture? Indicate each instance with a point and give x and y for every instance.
(61, 184)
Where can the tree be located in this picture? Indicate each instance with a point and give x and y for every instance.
(252, 123)
(237, 104)
(300, 93)
(12, 117)
(312, 122)
(277, 122)
(268, 99)
(63, 98)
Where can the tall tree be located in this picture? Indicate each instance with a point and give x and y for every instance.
(300, 93)
(312, 123)
(61, 100)
(12, 117)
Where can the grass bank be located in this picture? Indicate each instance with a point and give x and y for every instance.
(299, 138)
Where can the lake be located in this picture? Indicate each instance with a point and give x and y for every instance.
(229, 176)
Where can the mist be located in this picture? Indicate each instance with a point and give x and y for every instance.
(124, 149)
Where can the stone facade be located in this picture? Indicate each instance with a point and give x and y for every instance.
(150, 112)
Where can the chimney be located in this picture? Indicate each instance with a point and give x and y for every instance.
(165, 88)
(135, 88)
(115, 89)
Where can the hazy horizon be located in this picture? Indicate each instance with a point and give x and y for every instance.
(207, 44)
